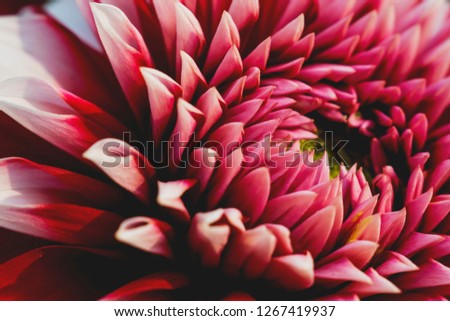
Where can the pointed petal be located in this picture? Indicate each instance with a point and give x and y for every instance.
(124, 165)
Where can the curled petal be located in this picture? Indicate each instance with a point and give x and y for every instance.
(147, 234)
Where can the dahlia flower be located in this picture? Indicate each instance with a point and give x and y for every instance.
(165, 149)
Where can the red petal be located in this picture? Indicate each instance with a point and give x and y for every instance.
(42, 110)
(151, 287)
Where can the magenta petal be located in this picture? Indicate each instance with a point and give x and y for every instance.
(288, 207)
(391, 227)
(395, 263)
(313, 233)
(188, 118)
(358, 252)
(430, 274)
(378, 285)
(415, 185)
(245, 111)
(226, 138)
(289, 34)
(259, 56)
(437, 211)
(340, 270)
(415, 210)
(438, 176)
(419, 126)
(201, 166)
(244, 13)
(418, 242)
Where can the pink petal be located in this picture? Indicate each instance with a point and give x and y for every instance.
(245, 111)
(201, 166)
(43, 112)
(147, 234)
(438, 176)
(249, 253)
(229, 68)
(212, 106)
(292, 272)
(259, 56)
(244, 12)
(436, 212)
(188, 117)
(223, 176)
(210, 232)
(313, 233)
(391, 227)
(289, 206)
(226, 36)
(359, 253)
(430, 274)
(340, 270)
(124, 165)
(395, 263)
(190, 38)
(379, 285)
(250, 194)
(126, 51)
(191, 78)
(162, 102)
(417, 242)
(169, 196)
(226, 138)
(289, 34)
